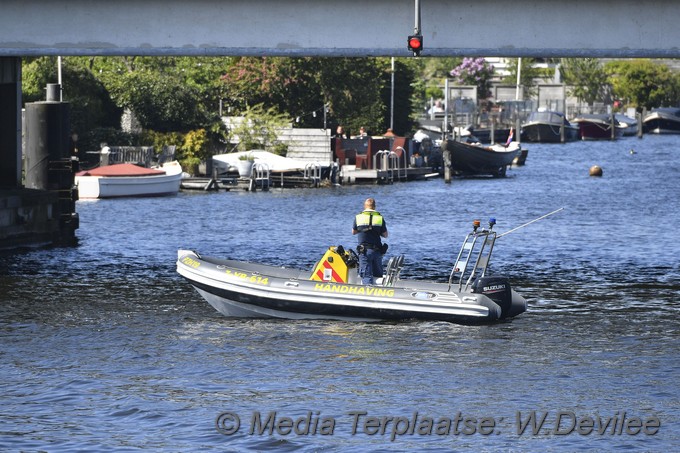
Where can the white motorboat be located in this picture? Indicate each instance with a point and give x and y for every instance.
(129, 180)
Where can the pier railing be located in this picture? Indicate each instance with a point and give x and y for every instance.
(142, 155)
(312, 172)
(390, 161)
(261, 176)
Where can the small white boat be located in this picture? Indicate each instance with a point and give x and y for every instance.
(333, 289)
(129, 180)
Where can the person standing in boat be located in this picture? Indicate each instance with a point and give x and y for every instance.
(371, 227)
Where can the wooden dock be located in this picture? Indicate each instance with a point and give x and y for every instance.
(350, 175)
(228, 183)
(250, 184)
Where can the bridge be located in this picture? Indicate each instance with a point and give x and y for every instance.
(349, 28)
(521, 28)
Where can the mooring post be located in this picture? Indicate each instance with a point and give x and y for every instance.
(447, 162)
(640, 117)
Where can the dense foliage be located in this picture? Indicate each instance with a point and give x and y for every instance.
(477, 72)
(528, 74)
(258, 130)
(588, 79)
(644, 84)
(178, 100)
(91, 103)
(349, 91)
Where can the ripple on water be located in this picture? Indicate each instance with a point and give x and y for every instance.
(106, 347)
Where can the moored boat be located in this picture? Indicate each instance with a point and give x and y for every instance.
(477, 159)
(521, 158)
(598, 127)
(129, 180)
(663, 120)
(628, 125)
(333, 289)
(548, 127)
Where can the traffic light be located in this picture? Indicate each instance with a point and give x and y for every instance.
(415, 44)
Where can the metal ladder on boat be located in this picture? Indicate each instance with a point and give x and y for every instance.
(477, 247)
(394, 266)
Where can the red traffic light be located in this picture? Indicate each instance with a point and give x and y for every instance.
(415, 44)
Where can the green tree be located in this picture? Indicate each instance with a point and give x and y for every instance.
(165, 93)
(429, 77)
(353, 89)
(274, 81)
(528, 72)
(160, 102)
(404, 92)
(259, 129)
(588, 79)
(644, 84)
(91, 104)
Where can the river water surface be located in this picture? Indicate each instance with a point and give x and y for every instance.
(105, 347)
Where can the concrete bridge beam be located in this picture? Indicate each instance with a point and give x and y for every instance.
(355, 28)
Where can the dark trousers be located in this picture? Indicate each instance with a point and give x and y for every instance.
(370, 266)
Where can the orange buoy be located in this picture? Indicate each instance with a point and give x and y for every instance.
(595, 170)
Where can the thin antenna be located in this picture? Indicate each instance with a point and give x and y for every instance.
(530, 222)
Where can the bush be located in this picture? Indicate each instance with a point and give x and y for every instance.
(160, 139)
(193, 150)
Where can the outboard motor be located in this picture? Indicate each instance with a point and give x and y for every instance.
(497, 289)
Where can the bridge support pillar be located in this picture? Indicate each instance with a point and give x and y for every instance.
(10, 122)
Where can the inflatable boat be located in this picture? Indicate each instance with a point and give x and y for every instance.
(333, 289)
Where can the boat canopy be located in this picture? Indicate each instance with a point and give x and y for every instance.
(547, 117)
(274, 162)
(121, 170)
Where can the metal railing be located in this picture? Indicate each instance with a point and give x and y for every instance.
(394, 266)
(389, 161)
(260, 176)
(477, 247)
(132, 154)
(312, 172)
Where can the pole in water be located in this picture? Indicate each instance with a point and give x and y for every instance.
(530, 222)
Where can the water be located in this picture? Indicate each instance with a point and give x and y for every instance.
(104, 347)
